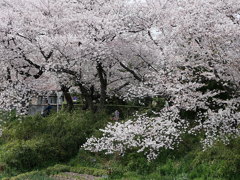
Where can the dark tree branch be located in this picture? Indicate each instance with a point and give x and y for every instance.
(9, 78)
(147, 63)
(120, 87)
(131, 71)
(46, 56)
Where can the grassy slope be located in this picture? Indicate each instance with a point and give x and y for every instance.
(30, 148)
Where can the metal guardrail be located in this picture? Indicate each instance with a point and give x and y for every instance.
(106, 105)
(115, 105)
(38, 108)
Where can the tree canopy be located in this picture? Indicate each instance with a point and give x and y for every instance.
(185, 51)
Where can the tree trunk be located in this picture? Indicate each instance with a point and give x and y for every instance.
(88, 96)
(103, 81)
(67, 97)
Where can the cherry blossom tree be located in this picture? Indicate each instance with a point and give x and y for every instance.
(57, 38)
(73, 40)
(184, 51)
(196, 68)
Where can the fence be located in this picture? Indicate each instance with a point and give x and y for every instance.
(125, 110)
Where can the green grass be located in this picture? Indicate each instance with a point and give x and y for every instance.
(36, 148)
(58, 169)
(33, 175)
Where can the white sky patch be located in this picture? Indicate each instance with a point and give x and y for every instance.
(237, 16)
(155, 32)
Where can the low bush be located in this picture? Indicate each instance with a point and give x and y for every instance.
(137, 162)
(219, 161)
(23, 155)
(35, 142)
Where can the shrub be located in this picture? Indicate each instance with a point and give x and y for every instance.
(87, 159)
(25, 155)
(35, 141)
(219, 161)
(137, 162)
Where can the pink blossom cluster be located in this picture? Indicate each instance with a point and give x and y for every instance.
(146, 134)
